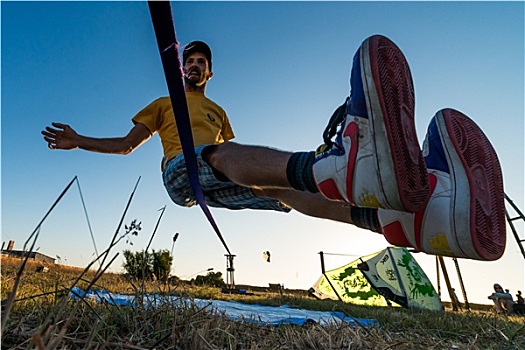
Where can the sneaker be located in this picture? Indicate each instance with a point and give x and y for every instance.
(375, 160)
(465, 216)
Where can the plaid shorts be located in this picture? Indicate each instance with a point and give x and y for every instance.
(217, 193)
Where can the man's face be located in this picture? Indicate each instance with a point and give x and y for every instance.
(196, 70)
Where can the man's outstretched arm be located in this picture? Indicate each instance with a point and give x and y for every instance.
(62, 136)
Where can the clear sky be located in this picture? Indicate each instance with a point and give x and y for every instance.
(281, 68)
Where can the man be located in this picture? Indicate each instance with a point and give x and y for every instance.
(519, 305)
(446, 200)
(503, 302)
(519, 298)
(210, 126)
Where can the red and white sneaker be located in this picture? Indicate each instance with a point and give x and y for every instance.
(465, 216)
(375, 160)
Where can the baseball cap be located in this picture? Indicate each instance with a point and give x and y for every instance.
(196, 46)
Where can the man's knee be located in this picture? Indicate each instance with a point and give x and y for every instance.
(211, 155)
(258, 192)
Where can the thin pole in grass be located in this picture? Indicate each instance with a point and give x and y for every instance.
(87, 217)
(149, 243)
(156, 226)
(121, 220)
(100, 271)
(33, 237)
(105, 253)
(171, 254)
(113, 242)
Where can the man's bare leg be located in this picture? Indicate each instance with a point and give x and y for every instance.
(264, 170)
(251, 166)
(311, 204)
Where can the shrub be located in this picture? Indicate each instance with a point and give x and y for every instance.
(148, 265)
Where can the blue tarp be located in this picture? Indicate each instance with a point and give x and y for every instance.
(264, 315)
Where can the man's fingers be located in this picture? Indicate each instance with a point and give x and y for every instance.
(49, 139)
(47, 133)
(50, 129)
(59, 125)
(57, 136)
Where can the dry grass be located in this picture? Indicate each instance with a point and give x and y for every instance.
(43, 317)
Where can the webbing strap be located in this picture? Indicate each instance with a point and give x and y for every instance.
(162, 19)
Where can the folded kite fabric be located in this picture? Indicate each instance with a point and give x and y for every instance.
(264, 315)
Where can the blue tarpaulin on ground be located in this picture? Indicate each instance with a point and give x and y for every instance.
(264, 315)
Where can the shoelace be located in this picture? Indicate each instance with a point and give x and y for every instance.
(335, 120)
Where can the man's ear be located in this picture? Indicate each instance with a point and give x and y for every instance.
(210, 74)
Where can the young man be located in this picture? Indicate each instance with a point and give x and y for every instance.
(447, 200)
(210, 126)
(503, 302)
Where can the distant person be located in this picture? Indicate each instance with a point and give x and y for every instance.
(519, 298)
(503, 302)
(370, 171)
(519, 306)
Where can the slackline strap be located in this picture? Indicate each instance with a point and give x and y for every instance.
(162, 19)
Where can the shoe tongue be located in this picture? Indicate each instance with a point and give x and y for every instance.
(433, 151)
(356, 104)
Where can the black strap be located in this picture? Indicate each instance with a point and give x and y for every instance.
(162, 19)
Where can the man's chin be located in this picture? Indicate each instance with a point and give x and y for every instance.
(194, 83)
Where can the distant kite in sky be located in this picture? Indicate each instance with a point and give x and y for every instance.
(266, 256)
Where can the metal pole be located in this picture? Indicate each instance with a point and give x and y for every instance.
(510, 221)
(438, 277)
(463, 291)
(322, 262)
(327, 279)
(447, 281)
(230, 281)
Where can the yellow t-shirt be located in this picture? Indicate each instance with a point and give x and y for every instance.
(209, 122)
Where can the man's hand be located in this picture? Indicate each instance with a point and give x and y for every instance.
(63, 137)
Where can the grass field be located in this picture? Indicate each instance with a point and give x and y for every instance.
(42, 316)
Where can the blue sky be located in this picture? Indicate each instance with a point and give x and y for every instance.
(280, 69)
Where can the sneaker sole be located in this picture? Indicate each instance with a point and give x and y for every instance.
(476, 173)
(389, 94)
